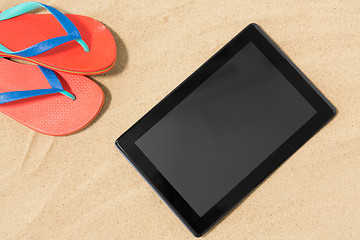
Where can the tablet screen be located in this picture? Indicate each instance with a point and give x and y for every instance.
(225, 128)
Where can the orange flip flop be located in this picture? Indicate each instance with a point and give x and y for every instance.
(68, 43)
(53, 104)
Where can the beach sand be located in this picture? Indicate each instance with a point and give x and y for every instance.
(81, 187)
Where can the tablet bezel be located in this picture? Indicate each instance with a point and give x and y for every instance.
(196, 224)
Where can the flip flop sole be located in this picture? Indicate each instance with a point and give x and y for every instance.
(53, 114)
(26, 30)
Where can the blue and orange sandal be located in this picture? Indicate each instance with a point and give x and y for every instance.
(67, 43)
(50, 103)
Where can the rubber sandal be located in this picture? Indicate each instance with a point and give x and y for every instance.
(68, 43)
(61, 103)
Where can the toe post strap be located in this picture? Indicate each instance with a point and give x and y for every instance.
(54, 82)
(44, 46)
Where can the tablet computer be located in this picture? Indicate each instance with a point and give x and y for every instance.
(222, 131)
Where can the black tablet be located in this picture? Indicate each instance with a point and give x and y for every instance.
(229, 125)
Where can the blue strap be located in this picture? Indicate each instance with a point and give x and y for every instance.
(39, 48)
(53, 80)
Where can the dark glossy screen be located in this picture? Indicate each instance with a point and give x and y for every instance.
(225, 128)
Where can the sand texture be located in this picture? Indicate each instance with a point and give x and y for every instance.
(81, 187)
